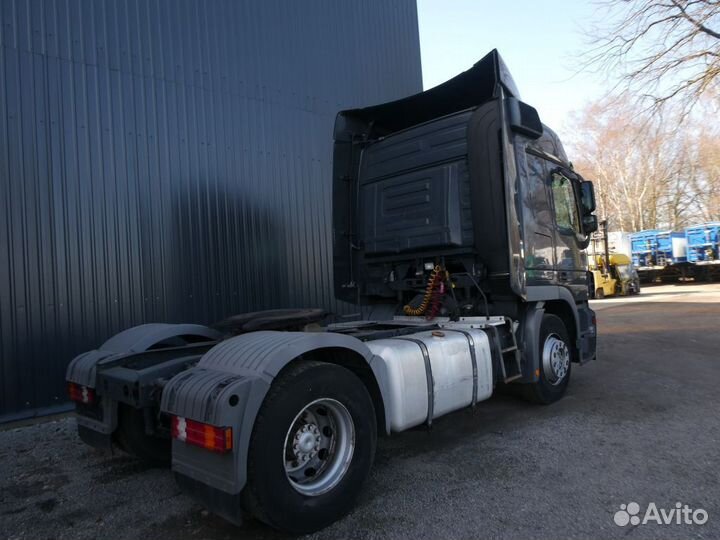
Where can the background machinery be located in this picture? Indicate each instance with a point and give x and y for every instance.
(611, 272)
(703, 250)
(659, 255)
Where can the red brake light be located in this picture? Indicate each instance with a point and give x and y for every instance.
(217, 439)
(81, 394)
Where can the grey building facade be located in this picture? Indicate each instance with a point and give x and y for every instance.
(170, 160)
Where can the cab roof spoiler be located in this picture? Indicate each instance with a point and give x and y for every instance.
(472, 88)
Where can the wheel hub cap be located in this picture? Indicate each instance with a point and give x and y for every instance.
(555, 359)
(319, 447)
(308, 440)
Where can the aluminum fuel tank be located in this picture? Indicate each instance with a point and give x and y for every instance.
(435, 372)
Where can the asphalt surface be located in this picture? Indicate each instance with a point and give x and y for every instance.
(641, 424)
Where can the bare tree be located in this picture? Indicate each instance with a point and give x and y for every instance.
(647, 173)
(706, 181)
(663, 51)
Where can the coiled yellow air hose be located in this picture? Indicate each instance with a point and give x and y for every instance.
(409, 310)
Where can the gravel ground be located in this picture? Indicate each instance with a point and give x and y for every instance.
(642, 424)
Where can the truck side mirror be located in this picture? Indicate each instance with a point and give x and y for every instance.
(589, 223)
(524, 119)
(587, 198)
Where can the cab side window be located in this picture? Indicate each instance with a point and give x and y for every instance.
(566, 215)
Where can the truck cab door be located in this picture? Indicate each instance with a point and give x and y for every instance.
(570, 260)
(538, 221)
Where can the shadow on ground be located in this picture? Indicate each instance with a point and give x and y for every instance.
(639, 424)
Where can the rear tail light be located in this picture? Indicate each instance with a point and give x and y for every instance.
(81, 394)
(217, 439)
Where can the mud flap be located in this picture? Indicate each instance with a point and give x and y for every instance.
(224, 504)
(94, 438)
(529, 337)
(588, 334)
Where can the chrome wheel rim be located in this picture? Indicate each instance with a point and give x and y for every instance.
(556, 359)
(319, 447)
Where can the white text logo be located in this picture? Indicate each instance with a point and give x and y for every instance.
(681, 514)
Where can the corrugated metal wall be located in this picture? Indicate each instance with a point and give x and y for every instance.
(166, 160)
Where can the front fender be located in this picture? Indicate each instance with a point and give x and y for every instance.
(227, 388)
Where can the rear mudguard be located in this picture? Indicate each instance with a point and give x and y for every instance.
(227, 388)
(83, 369)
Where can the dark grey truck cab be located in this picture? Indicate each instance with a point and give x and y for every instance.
(459, 227)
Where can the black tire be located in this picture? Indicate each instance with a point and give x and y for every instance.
(269, 494)
(545, 391)
(130, 436)
(600, 294)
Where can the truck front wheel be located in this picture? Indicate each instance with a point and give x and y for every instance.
(555, 362)
(311, 449)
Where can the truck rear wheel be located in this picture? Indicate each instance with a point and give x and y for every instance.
(555, 362)
(311, 449)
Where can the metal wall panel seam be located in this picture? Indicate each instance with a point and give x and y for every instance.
(168, 160)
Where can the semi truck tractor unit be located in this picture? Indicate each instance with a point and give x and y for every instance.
(458, 230)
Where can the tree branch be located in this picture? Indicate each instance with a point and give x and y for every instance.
(695, 23)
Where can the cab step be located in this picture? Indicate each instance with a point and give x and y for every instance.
(509, 356)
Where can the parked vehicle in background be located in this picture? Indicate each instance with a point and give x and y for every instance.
(619, 242)
(602, 284)
(617, 278)
(612, 273)
(659, 255)
(703, 250)
(459, 226)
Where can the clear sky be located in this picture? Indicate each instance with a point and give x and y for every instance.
(537, 39)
